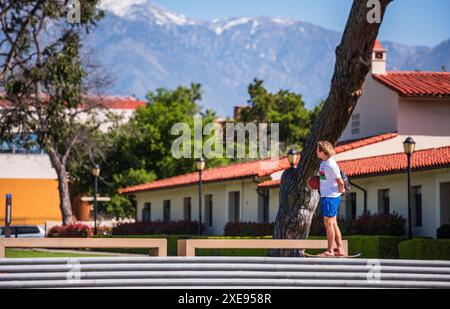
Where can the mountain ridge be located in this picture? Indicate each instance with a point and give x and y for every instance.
(149, 47)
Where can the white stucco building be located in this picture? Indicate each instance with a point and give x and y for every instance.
(394, 105)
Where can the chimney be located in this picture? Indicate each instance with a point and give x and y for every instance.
(378, 59)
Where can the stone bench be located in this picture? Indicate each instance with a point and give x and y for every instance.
(186, 247)
(75, 243)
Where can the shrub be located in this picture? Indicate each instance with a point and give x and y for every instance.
(443, 232)
(379, 224)
(425, 249)
(157, 228)
(375, 247)
(248, 229)
(71, 231)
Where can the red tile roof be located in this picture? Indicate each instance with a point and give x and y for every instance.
(128, 103)
(342, 147)
(123, 103)
(234, 171)
(428, 158)
(258, 168)
(416, 83)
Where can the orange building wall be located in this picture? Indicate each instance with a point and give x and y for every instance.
(34, 201)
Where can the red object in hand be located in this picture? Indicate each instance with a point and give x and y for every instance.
(314, 183)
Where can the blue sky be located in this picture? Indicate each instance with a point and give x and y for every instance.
(413, 22)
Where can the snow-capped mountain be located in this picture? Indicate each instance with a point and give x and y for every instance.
(147, 47)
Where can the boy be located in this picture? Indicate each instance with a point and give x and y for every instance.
(331, 189)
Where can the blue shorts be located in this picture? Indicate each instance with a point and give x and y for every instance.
(330, 206)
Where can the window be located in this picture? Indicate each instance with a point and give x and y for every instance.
(383, 201)
(166, 211)
(147, 212)
(234, 207)
(355, 124)
(379, 55)
(209, 210)
(416, 206)
(445, 202)
(263, 206)
(187, 208)
(350, 206)
(22, 145)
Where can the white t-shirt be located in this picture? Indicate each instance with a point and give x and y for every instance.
(329, 172)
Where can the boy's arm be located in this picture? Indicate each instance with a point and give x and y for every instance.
(340, 183)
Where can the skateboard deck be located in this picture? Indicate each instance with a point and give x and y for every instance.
(356, 255)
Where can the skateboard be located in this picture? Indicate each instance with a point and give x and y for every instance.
(356, 255)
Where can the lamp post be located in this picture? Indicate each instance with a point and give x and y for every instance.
(96, 174)
(292, 157)
(409, 146)
(200, 167)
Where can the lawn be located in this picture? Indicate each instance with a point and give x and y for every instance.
(14, 254)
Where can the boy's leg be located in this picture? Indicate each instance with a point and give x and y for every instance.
(338, 236)
(330, 233)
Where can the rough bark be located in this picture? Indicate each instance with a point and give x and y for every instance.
(63, 187)
(353, 55)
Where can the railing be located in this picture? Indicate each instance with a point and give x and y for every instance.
(76, 243)
(187, 247)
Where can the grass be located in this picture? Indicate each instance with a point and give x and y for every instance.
(16, 254)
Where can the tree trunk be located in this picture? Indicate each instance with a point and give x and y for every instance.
(63, 187)
(353, 55)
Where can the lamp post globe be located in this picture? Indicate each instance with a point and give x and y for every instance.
(292, 157)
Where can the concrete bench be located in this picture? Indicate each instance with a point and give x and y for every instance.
(186, 247)
(75, 243)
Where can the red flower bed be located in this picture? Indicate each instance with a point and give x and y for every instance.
(71, 231)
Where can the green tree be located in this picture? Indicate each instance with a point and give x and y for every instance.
(45, 83)
(284, 107)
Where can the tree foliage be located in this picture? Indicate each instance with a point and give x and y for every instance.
(283, 107)
(44, 82)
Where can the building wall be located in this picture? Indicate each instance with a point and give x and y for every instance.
(411, 118)
(274, 204)
(26, 166)
(397, 184)
(34, 201)
(377, 108)
(32, 182)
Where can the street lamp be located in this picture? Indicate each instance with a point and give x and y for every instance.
(96, 174)
(292, 157)
(200, 167)
(409, 145)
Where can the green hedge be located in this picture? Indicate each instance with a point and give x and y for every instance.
(375, 247)
(425, 249)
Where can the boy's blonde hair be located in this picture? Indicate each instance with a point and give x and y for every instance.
(326, 147)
